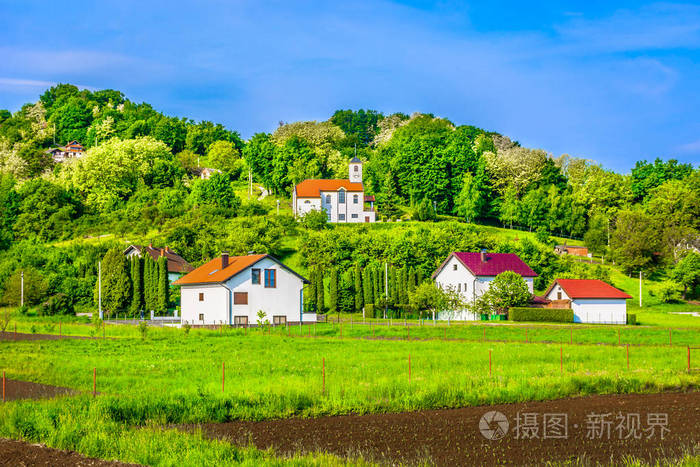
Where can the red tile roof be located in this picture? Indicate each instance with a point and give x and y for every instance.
(176, 263)
(495, 264)
(313, 188)
(588, 288)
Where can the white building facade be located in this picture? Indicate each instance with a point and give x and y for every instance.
(232, 290)
(342, 200)
(471, 274)
(592, 301)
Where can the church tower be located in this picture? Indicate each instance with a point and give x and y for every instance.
(355, 170)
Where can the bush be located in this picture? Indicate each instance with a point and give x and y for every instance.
(557, 315)
(668, 293)
(59, 304)
(315, 219)
(631, 319)
(369, 310)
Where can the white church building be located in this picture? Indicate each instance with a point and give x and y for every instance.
(342, 200)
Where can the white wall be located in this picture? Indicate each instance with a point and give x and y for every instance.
(593, 310)
(599, 310)
(304, 205)
(283, 300)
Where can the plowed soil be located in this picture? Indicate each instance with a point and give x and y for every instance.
(20, 453)
(20, 336)
(453, 437)
(25, 390)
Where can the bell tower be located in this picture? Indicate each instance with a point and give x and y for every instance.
(355, 170)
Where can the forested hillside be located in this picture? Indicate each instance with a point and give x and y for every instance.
(139, 181)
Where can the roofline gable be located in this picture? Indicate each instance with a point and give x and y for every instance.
(266, 255)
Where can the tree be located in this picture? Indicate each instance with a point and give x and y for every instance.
(425, 210)
(224, 155)
(116, 285)
(35, 287)
(508, 210)
(357, 288)
(136, 273)
(320, 293)
(217, 191)
(515, 168)
(346, 293)
(367, 296)
(388, 200)
(163, 286)
(333, 291)
(429, 297)
(596, 238)
(315, 219)
(470, 201)
(359, 126)
(634, 241)
(507, 290)
(687, 273)
(646, 176)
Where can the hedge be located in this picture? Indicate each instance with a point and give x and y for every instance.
(631, 319)
(558, 315)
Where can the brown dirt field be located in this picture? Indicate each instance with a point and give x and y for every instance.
(15, 389)
(20, 336)
(21, 453)
(453, 437)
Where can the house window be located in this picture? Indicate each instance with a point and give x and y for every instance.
(357, 169)
(277, 320)
(341, 196)
(201, 316)
(459, 287)
(558, 295)
(341, 217)
(255, 276)
(270, 278)
(354, 216)
(240, 298)
(465, 286)
(201, 296)
(454, 267)
(328, 199)
(355, 199)
(240, 320)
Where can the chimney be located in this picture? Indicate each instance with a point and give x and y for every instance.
(224, 259)
(483, 255)
(162, 251)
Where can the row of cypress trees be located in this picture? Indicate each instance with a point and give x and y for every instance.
(354, 288)
(134, 284)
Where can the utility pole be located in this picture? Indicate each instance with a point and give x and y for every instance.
(21, 297)
(99, 289)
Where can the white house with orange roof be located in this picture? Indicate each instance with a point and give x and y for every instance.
(233, 289)
(342, 200)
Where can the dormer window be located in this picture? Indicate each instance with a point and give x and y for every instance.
(341, 197)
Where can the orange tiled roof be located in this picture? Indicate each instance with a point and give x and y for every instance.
(211, 272)
(313, 188)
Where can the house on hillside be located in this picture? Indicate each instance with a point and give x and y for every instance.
(72, 150)
(343, 200)
(571, 250)
(177, 265)
(233, 289)
(471, 273)
(592, 300)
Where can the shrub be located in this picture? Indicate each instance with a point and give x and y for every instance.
(668, 293)
(22, 310)
(557, 315)
(369, 310)
(315, 219)
(59, 304)
(631, 319)
(143, 329)
(186, 328)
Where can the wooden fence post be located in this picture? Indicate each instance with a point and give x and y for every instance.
(571, 335)
(561, 358)
(489, 362)
(59, 330)
(223, 375)
(94, 382)
(409, 367)
(628, 356)
(323, 390)
(688, 359)
(670, 337)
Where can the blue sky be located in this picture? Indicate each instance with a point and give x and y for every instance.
(613, 83)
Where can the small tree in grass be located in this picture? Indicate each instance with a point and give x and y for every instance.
(508, 289)
(429, 297)
(263, 322)
(687, 273)
(143, 329)
(5, 317)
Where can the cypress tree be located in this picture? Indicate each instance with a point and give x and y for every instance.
(320, 292)
(136, 285)
(393, 289)
(147, 289)
(359, 296)
(367, 285)
(333, 291)
(412, 281)
(346, 296)
(163, 287)
(310, 293)
(116, 283)
(376, 285)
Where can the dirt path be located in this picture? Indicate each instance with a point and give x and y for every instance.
(454, 437)
(15, 389)
(21, 453)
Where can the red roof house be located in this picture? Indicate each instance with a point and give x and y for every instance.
(592, 300)
(489, 264)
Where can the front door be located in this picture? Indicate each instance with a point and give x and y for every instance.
(366, 218)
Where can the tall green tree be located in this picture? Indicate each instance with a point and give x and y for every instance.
(333, 291)
(320, 292)
(687, 273)
(162, 285)
(116, 284)
(359, 298)
(367, 296)
(136, 273)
